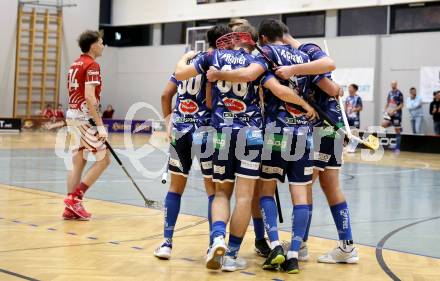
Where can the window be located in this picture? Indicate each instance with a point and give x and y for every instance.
(362, 21)
(127, 36)
(306, 24)
(105, 11)
(174, 32)
(415, 17)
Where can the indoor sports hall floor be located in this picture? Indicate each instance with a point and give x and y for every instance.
(394, 205)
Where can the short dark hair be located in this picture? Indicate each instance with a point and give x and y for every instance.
(271, 28)
(285, 27)
(356, 87)
(412, 88)
(249, 29)
(87, 39)
(216, 32)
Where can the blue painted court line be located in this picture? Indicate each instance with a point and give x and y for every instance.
(248, 273)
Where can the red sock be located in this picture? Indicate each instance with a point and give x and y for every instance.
(80, 190)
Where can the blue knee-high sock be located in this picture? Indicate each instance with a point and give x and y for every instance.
(234, 244)
(210, 199)
(218, 229)
(270, 214)
(306, 235)
(398, 139)
(341, 216)
(172, 208)
(300, 218)
(258, 228)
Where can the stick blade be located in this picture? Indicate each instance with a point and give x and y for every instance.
(372, 142)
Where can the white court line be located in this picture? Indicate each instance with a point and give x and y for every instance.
(64, 181)
(28, 158)
(425, 166)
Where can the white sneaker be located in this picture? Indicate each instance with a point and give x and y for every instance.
(338, 255)
(164, 250)
(214, 258)
(303, 254)
(231, 264)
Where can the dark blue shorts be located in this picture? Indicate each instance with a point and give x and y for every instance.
(185, 145)
(237, 153)
(327, 151)
(287, 154)
(395, 121)
(354, 123)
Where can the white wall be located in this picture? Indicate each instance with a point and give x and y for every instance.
(8, 23)
(126, 12)
(137, 74)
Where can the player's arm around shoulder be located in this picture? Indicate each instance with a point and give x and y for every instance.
(184, 70)
(242, 74)
(329, 87)
(319, 66)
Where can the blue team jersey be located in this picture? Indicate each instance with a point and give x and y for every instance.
(234, 104)
(395, 98)
(351, 103)
(327, 103)
(278, 112)
(191, 111)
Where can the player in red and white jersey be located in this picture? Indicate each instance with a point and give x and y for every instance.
(84, 85)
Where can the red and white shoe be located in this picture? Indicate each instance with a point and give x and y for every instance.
(75, 206)
(70, 215)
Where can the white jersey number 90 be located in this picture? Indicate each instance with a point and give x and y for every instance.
(191, 86)
(239, 89)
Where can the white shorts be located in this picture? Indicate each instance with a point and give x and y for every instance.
(84, 136)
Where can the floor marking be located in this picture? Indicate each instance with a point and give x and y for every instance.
(18, 275)
(380, 245)
(248, 273)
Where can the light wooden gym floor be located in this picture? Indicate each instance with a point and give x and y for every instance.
(117, 244)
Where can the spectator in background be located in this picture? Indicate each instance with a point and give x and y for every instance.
(434, 110)
(108, 113)
(414, 105)
(59, 113)
(353, 106)
(48, 111)
(393, 112)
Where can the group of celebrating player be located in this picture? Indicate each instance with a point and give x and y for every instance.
(250, 127)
